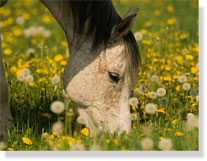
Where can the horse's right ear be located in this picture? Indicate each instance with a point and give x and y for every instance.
(123, 28)
(3, 2)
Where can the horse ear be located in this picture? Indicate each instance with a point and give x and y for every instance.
(124, 27)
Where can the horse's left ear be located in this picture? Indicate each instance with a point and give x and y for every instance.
(123, 28)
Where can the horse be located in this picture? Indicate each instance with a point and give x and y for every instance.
(101, 71)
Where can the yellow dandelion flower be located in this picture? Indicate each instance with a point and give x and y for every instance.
(183, 36)
(161, 138)
(143, 31)
(26, 16)
(52, 137)
(170, 9)
(17, 31)
(174, 122)
(26, 141)
(177, 88)
(85, 131)
(63, 62)
(46, 19)
(64, 44)
(146, 42)
(107, 141)
(161, 110)
(171, 21)
(179, 59)
(178, 133)
(167, 78)
(7, 51)
(189, 57)
(116, 141)
(157, 12)
(194, 70)
(58, 57)
(10, 149)
(148, 24)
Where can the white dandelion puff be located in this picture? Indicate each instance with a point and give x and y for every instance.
(29, 78)
(133, 101)
(46, 34)
(81, 120)
(133, 116)
(30, 51)
(150, 108)
(165, 144)
(182, 78)
(197, 98)
(20, 20)
(45, 135)
(57, 107)
(77, 147)
(26, 72)
(154, 78)
(186, 86)
(192, 121)
(2, 145)
(95, 147)
(55, 80)
(161, 92)
(147, 144)
(152, 95)
(21, 77)
(57, 127)
(138, 36)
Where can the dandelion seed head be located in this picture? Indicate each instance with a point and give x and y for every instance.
(152, 95)
(186, 86)
(154, 78)
(29, 78)
(77, 147)
(26, 72)
(182, 78)
(142, 89)
(58, 128)
(20, 20)
(133, 101)
(147, 144)
(138, 36)
(165, 144)
(150, 108)
(55, 80)
(2, 145)
(57, 107)
(192, 121)
(133, 116)
(161, 92)
(95, 147)
(45, 135)
(81, 119)
(21, 77)
(30, 51)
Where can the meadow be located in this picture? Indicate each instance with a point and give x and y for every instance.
(164, 104)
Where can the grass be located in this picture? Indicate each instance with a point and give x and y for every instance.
(169, 49)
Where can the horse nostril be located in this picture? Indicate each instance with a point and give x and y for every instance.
(114, 77)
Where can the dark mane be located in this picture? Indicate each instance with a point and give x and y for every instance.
(102, 17)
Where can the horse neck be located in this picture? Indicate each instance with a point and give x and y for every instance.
(65, 19)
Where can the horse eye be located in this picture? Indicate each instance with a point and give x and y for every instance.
(114, 77)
